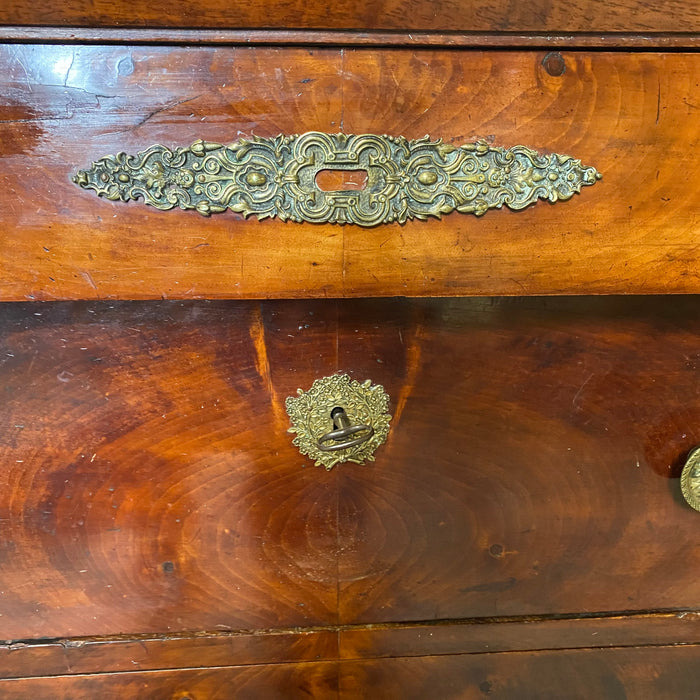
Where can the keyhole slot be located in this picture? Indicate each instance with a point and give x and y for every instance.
(341, 180)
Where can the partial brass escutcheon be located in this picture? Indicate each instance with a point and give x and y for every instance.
(690, 479)
(339, 420)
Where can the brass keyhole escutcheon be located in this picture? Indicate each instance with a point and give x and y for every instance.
(339, 420)
(362, 179)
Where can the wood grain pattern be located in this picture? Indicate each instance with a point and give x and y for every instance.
(483, 636)
(454, 15)
(150, 485)
(294, 681)
(119, 654)
(666, 673)
(615, 674)
(528, 465)
(344, 37)
(182, 493)
(633, 116)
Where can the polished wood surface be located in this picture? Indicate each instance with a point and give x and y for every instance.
(150, 486)
(455, 15)
(521, 534)
(293, 681)
(661, 673)
(177, 504)
(480, 636)
(204, 650)
(613, 674)
(633, 116)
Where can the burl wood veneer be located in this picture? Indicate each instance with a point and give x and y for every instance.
(149, 486)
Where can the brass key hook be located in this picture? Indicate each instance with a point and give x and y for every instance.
(339, 420)
(343, 428)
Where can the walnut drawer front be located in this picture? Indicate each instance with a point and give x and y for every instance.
(150, 485)
(162, 537)
(631, 115)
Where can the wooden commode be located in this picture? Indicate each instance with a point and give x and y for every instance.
(519, 379)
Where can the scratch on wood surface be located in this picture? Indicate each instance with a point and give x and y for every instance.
(164, 108)
(413, 354)
(31, 363)
(581, 388)
(69, 68)
(18, 58)
(88, 278)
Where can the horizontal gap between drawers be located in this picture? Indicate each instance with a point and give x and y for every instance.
(148, 653)
(327, 38)
(510, 619)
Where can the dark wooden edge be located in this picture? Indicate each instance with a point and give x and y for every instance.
(357, 38)
(43, 658)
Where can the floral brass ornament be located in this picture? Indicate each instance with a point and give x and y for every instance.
(690, 479)
(364, 405)
(276, 176)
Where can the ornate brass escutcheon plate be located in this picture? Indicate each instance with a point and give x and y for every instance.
(276, 176)
(690, 479)
(339, 420)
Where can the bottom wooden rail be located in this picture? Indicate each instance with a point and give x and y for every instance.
(661, 673)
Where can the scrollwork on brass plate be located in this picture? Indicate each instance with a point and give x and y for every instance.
(276, 176)
(311, 415)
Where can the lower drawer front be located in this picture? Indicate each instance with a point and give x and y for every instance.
(632, 116)
(149, 484)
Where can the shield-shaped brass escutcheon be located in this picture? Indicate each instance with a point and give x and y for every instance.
(339, 420)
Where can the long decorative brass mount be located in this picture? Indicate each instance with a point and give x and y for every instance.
(277, 177)
(339, 420)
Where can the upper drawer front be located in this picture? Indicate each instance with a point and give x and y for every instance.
(633, 116)
(456, 15)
